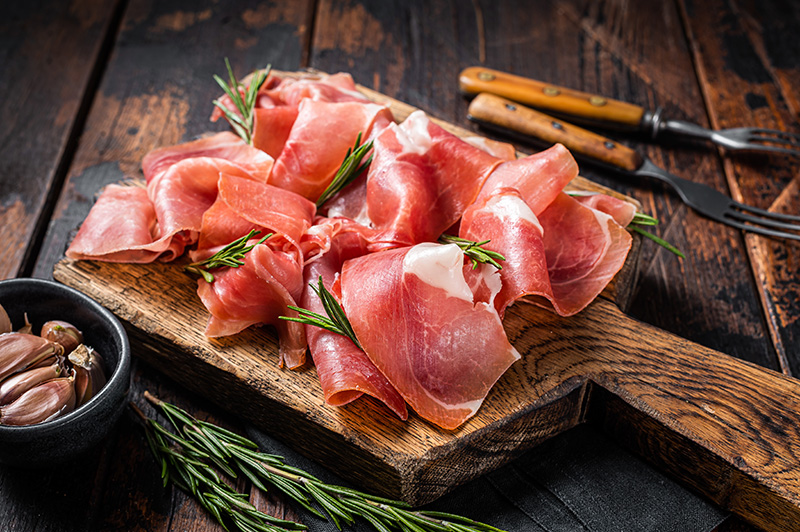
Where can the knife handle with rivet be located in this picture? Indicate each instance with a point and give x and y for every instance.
(552, 98)
(495, 111)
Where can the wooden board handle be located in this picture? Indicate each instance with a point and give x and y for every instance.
(561, 100)
(500, 112)
(727, 427)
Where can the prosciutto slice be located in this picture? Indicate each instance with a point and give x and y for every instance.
(345, 372)
(244, 204)
(319, 140)
(419, 322)
(122, 227)
(539, 178)
(566, 256)
(224, 145)
(621, 210)
(258, 292)
(420, 182)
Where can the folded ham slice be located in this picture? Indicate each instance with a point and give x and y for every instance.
(566, 256)
(345, 372)
(420, 182)
(122, 227)
(319, 141)
(223, 145)
(419, 322)
(258, 292)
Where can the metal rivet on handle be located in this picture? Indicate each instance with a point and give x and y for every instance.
(511, 107)
(486, 76)
(557, 125)
(608, 144)
(551, 91)
(598, 101)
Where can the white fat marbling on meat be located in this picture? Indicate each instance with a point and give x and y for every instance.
(506, 206)
(413, 133)
(439, 266)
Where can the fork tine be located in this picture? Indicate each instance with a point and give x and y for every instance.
(772, 149)
(768, 214)
(780, 136)
(762, 221)
(762, 230)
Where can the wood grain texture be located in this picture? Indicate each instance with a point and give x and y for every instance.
(41, 41)
(758, 89)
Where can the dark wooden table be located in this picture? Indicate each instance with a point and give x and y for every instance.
(87, 88)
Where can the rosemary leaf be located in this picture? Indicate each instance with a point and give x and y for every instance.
(351, 168)
(231, 256)
(640, 219)
(336, 321)
(474, 250)
(242, 122)
(342, 505)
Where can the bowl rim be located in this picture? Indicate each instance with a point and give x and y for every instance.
(121, 370)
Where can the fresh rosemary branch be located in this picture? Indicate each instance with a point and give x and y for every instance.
(642, 219)
(474, 251)
(200, 444)
(231, 256)
(187, 465)
(243, 122)
(336, 321)
(350, 169)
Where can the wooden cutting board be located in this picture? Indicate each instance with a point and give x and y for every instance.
(726, 427)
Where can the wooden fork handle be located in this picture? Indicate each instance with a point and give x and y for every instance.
(552, 98)
(499, 112)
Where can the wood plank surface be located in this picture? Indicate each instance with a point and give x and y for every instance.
(697, 59)
(42, 41)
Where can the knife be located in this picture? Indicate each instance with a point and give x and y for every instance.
(591, 109)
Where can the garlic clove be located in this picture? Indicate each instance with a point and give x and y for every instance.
(5, 321)
(16, 385)
(41, 403)
(27, 328)
(19, 351)
(90, 376)
(63, 333)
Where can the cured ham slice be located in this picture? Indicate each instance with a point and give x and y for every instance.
(416, 317)
(224, 145)
(345, 372)
(122, 227)
(621, 210)
(539, 178)
(258, 292)
(566, 256)
(421, 180)
(585, 248)
(325, 88)
(319, 140)
(271, 128)
(243, 204)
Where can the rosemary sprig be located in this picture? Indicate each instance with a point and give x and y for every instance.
(351, 168)
(474, 250)
(231, 256)
(243, 122)
(642, 219)
(336, 321)
(199, 444)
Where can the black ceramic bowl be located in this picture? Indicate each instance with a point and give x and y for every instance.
(70, 435)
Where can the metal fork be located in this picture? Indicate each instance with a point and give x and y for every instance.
(494, 111)
(736, 139)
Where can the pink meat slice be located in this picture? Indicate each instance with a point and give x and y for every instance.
(319, 140)
(419, 322)
(225, 145)
(539, 178)
(243, 204)
(258, 292)
(271, 128)
(619, 209)
(420, 182)
(566, 256)
(345, 372)
(122, 227)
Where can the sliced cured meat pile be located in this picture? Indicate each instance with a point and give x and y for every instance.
(428, 324)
